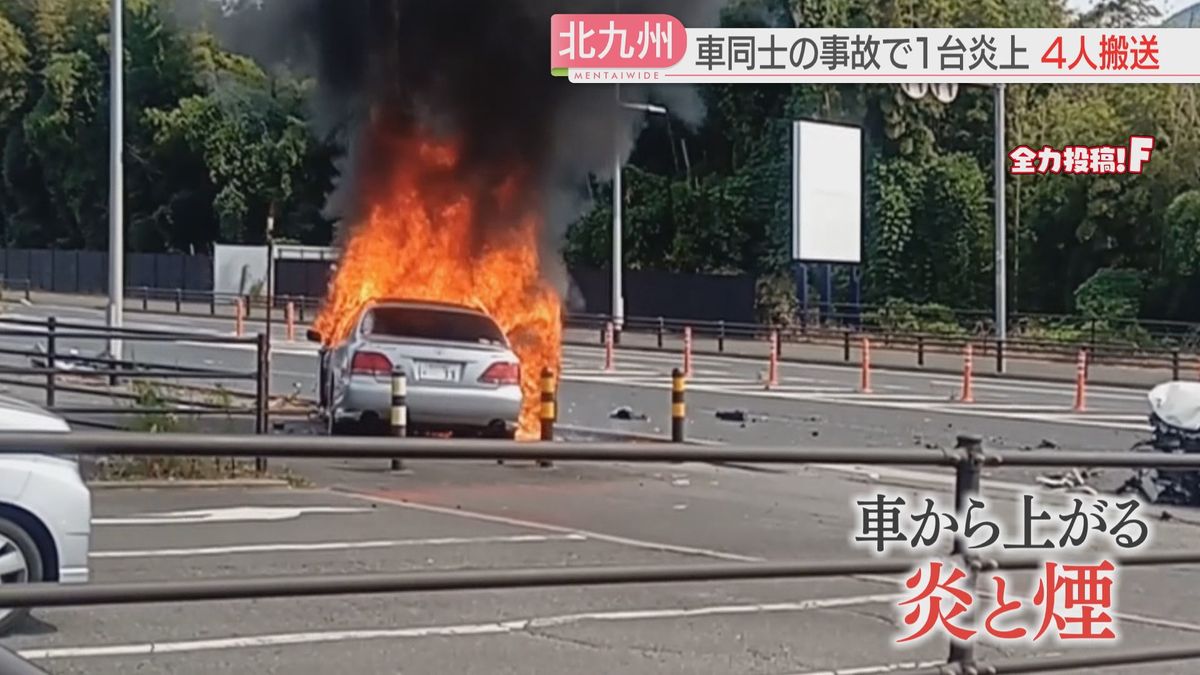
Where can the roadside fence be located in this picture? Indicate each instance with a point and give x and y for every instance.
(968, 459)
(73, 358)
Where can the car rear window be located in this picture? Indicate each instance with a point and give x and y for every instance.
(432, 324)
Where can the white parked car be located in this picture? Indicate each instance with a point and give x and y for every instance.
(45, 510)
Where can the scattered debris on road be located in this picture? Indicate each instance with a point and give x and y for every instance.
(1074, 480)
(1048, 444)
(625, 413)
(733, 416)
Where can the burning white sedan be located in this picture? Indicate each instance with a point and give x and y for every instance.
(462, 375)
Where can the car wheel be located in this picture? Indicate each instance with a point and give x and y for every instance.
(20, 563)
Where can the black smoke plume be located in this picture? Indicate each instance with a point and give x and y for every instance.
(474, 70)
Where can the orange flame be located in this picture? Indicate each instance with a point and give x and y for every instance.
(419, 242)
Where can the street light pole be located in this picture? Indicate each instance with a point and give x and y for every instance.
(946, 93)
(618, 261)
(116, 189)
(1001, 231)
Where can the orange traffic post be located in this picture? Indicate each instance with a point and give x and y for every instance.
(239, 317)
(968, 391)
(865, 384)
(608, 347)
(289, 315)
(687, 351)
(1081, 382)
(773, 363)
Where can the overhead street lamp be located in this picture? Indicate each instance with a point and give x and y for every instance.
(618, 258)
(946, 93)
(116, 170)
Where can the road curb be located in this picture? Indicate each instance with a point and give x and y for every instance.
(161, 484)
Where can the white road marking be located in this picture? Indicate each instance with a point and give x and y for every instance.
(496, 628)
(230, 514)
(929, 404)
(876, 670)
(546, 527)
(334, 546)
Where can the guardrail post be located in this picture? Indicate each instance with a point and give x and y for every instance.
(1175, 364)
(661, 329)
(145, 298)
(999, 356)
(301, 305)
(262, 395)
(212, 303)
(51, 360)
(966, 486)
(846, 345)
(549, 411)
(28, 290)
(678, 407)
(399, 419)
(178, 300)
(721, 335)
(239, 317)
(921, 350)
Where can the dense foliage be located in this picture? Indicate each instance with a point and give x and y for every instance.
(214, 140)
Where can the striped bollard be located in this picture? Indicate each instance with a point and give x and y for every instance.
(678, 408)
(549, 410)
(239, 317)
(608, 347)
(968, 390)
(399, 421)
(687, 351)
(289, 312)
(773, 363)
(864, 384)
(1081, 382)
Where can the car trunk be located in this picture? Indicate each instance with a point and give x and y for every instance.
(428, 363)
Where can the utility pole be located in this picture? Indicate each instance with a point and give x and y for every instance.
(116, 175)
(1001, 258)
(618, 258)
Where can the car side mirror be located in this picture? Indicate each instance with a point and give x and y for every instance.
(313, 335)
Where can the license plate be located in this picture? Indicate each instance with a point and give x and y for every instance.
(437, 372)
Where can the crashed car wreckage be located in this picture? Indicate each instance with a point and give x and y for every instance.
(1175, 425)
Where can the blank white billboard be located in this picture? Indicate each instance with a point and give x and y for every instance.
(826, 193)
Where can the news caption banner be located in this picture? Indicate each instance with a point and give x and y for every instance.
(614, 48)
(1074, 598)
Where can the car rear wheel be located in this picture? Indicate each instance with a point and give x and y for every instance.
(20, 563)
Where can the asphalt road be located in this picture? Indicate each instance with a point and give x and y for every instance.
(454, 516)
(479, 516)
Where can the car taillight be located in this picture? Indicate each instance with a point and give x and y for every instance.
(502, 373)
(370, 363)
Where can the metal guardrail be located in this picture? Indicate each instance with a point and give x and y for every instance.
(968, 458)
(55, 367)
(831, 329)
